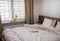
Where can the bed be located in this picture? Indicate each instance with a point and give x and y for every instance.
(35, 32)
(31, 34)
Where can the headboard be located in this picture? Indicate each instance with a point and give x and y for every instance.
(41, 18)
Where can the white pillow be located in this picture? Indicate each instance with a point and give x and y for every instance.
(58, 25)
(47, 22)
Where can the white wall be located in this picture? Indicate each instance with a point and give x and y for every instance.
(37, 9)
(47, 8)
(51, 8)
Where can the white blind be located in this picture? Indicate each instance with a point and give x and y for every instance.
(5, 10)
(18, 9)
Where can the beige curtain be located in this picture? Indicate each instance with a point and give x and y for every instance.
(29, 11)
(0, 25)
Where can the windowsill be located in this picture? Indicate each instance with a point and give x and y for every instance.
(13, 23)
(7, 23)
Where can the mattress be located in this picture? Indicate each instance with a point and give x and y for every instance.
(25, 34)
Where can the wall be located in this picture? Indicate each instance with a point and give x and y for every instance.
(47, 8)
(37, 9)
(51, 8)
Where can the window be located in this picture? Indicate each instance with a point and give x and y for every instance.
(6, 10)
(19, 9)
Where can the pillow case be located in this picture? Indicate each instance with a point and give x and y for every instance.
(48, 22)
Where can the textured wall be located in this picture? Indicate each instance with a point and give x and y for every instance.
(37, 9)
(47, 8)
(51, 8)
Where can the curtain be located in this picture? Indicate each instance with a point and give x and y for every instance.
(1, 28)
(29, 11)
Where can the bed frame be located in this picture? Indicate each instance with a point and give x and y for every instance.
(41, 19)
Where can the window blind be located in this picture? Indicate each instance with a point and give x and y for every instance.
(19, 9)
(6, 10)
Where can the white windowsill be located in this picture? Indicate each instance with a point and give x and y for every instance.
(18, 20)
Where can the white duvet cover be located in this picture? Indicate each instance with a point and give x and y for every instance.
(25, 34)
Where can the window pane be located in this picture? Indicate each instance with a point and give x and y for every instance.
(5, 10)
(19, 8)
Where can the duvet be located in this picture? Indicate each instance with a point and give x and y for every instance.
(31, 33)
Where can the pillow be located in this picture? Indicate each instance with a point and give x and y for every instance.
(58, 25)
(48, 22)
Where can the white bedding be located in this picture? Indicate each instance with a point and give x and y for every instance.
(24, 34)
